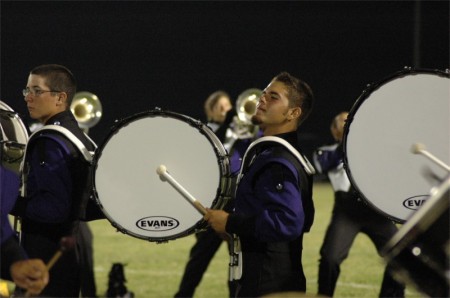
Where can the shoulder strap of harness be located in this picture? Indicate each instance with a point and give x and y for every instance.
(87, 155)
(297, 160)
(263, 142)
(69, 135)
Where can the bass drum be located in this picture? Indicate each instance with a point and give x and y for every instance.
(13, 138)
(130, 192)
(386, 121)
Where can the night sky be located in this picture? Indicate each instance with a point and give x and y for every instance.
(139, 55)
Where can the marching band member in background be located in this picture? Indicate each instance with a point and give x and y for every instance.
(350, 216)
(219, 114)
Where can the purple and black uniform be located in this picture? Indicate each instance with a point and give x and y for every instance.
(350, 216)
(55, 181)
(10, 249)
(273, 209)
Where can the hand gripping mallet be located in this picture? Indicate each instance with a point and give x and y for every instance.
(165, 176)
(65, 244)
(233, 242)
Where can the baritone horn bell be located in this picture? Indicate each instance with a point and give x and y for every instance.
(246, 104)
(242, 126)
(87, 109)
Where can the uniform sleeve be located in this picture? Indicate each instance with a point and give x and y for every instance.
(279, 215)
(10, 250)
(326, 159)
(282, 218)
(49, 188)
(9, 191)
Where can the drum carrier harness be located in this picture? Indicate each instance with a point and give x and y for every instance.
(87, 207)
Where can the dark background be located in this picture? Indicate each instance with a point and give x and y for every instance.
(138, 55)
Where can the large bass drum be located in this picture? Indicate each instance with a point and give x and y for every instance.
(131, 194)
(386, 121)
(13, 138)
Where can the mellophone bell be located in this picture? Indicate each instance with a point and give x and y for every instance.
(396, 154)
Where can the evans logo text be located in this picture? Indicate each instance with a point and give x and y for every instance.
(415, 202)
(157, 223)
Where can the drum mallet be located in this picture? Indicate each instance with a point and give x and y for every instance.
(234, 244)
(419, 148)
(165, 176)
(65, 244)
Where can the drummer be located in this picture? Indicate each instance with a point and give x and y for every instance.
(49, 209)
(350, 216)
(30, 274)
(273, 207)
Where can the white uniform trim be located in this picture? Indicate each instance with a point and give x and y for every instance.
(88, 155)
(337, 176)
(302, 159)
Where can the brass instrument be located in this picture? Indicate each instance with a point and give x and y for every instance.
(87, 109)
(246, 104)
(242, 126)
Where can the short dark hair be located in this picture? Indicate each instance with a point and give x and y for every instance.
(299, 94)
(58, 78)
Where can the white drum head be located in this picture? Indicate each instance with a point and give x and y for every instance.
(382, 127)
(129, 190)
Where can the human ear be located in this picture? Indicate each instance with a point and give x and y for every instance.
(62, 98)
(295, 113)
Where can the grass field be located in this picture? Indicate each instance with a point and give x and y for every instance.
(155, 270)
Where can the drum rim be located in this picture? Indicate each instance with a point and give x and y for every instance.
(18, 123)
(370, 88)
(16, 116)
(224, 183)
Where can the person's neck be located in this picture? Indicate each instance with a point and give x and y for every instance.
(46, 120)
(277, 130)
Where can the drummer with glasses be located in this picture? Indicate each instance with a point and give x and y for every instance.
(36, 91)
(54, 179)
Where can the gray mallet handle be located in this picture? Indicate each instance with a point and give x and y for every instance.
(419, 148)
(164, 175)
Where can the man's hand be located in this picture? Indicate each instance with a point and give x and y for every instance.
(31, 275)
(217, 219)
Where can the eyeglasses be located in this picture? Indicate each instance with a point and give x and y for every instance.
(35, 92)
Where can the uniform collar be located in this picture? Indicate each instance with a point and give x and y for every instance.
(291, 137)
(63, 117)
